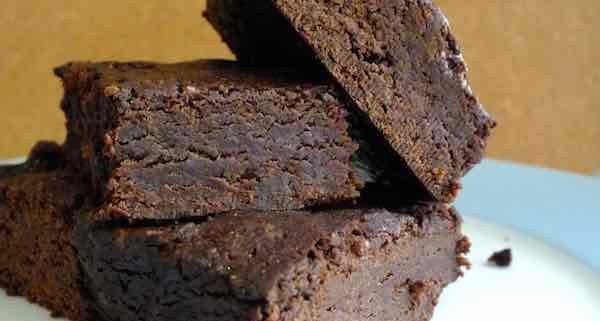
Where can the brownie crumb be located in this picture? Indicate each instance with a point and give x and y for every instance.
(463, 246)
(501, 258)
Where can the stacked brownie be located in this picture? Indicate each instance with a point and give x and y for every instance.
(310, 180)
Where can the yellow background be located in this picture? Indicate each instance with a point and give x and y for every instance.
(534, 64)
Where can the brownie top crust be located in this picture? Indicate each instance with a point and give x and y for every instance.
(112, 75)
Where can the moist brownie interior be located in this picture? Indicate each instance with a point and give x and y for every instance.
(38, 259)
(334, 265)
(137, 127)
(396, 60)
(246, 265)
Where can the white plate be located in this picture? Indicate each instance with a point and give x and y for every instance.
(544, 282)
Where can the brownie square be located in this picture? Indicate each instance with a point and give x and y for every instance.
(167, 141)
(38, 256)
(328, 265)
(397, 60)
(342, 264)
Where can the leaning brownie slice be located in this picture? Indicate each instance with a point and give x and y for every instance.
(396, 59)
(244, 265)
(166, 141)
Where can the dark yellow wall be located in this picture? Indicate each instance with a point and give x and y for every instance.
(532, 62)
(535, 65)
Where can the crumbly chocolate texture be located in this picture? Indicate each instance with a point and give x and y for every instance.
(169, 141)
(338, 265)
(38, 259)
(397, 60)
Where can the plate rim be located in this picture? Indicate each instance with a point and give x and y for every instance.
(556, 214)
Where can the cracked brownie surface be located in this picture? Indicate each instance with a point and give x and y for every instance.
(347, 264)
(397, 61)
(166, 141)
(331, 265)
(38, 256)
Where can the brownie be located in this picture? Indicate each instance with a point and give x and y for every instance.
(38, 259)
(166, 141)
(396, 60)
(243, 265)
(335, 265)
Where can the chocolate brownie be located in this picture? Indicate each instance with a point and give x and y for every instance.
(38, 259)
(165, 141)
(397, 60)
(245, 265)
(338, 265)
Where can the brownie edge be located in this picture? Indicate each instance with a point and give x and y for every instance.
(339, 265)
(244, 265)
(38, 256)
(170, 141)
(397, 60)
